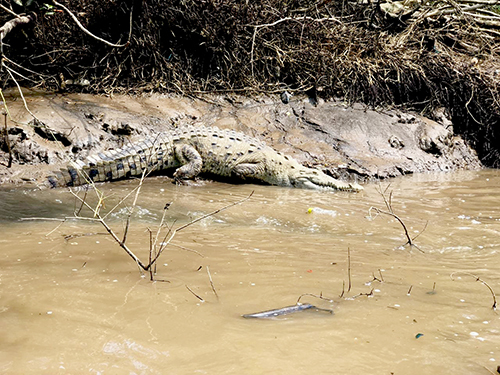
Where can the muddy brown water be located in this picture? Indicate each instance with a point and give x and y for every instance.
(81, 306)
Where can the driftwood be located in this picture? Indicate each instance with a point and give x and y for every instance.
(285, 311)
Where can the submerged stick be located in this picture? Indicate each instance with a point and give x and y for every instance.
(194, 294)
(349, 269)
(212, 283)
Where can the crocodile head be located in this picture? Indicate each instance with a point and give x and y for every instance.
(307, 178)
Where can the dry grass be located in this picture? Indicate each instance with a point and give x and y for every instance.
(429, 56)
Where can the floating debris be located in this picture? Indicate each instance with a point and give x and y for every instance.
(285, 311)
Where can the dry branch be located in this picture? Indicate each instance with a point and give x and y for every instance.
(173, 233)
(19, 20)
(390, 212)
(110, 231)
(9, 11)
(79, 24)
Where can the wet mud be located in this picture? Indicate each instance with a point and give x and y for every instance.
(348, 142)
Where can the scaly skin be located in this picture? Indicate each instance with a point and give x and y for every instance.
(200, 150)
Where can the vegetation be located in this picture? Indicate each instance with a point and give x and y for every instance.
(416, 54)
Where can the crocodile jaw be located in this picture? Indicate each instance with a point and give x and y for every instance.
(315, 179)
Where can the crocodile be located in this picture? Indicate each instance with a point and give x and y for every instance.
(194, 150)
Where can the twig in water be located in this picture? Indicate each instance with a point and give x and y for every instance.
(167, 242)
(375, 278)
(390, 212)
(380, 273)
(111, 232)
(77, 212)
(187, 249)
(155, 243)
(315, 296)
(343, 289)
(364, 294)
(348, 274)
(422, 231)
(134, 203)
(494, 307)
(433, 291)
(194, 294)
(409, 290)
(150, 254)
(212, 283)
(349, 269)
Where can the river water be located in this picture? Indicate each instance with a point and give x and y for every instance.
(73, 302)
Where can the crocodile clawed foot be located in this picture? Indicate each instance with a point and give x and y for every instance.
(194, 182)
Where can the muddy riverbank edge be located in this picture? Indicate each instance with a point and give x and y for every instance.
(347, 142)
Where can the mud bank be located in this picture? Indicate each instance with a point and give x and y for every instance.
(346, 142)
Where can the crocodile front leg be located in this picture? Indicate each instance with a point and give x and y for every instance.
(248, 170)
(190, 160)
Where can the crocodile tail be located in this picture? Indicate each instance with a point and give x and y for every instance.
(114, 164)
(72, 175)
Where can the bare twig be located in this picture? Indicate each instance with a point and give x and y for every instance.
(187, 249)
(172, 235)
(379, 211)
(422, 231)
(380, 273)
(194, 294)
(349, 269)
(79, 24)
(320, 296)
(9, 11)
(46, 218)
(22, 96)
(212, 283)
(111, 232)
(150, 254)
(494, 306)
(296, 19)
(390, 212)
(343, 289)
(134, 203)
(364, 294)
(7, 141)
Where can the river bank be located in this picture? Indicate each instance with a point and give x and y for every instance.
(347, 142)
